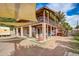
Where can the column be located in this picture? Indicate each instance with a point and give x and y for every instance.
(47, 24)
(48, 15)
(37, 30)
(56, 31)
(17, 34)
(50, 30)
(26, 32)
(30, 31)
(37, 33)
(44, 15)
(44, 30)
(47, 30)
(40, 30)
(21, 31)
(14, 32)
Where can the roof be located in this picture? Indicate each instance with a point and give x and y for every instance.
(45, 8)
(52, 12)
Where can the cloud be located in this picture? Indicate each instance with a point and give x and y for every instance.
(72, 20)
(65, 7)
(60, 6)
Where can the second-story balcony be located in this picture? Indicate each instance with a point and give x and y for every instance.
(50, 21)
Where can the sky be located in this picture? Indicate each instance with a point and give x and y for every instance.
(71, 10)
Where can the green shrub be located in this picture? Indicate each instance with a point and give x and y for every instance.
(77, 34)
(76, 38)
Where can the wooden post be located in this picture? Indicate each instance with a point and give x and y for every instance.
(30, 31)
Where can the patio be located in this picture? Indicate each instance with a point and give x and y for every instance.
(54, 46)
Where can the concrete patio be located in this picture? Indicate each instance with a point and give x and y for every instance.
(56, 45)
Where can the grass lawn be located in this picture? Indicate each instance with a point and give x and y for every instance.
(76, 39)
(75, 44)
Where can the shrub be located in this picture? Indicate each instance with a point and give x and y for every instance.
(76, 38)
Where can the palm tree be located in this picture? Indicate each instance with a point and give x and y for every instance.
(60, 16)
(62, 20)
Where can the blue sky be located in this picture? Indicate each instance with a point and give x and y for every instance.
(71, 10)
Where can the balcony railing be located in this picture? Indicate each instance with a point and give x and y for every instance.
(40, 19)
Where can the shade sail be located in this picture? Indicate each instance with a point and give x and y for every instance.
(25, 11)
(7, 10)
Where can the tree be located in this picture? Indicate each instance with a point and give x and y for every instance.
(60, 16)
(77, 27)
(4, 19)
(62, 20)
(67, 26)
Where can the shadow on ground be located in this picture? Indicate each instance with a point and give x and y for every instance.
(38, 51)
(70, 46)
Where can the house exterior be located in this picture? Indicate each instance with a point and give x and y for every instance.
(45, 26)
(31, 22)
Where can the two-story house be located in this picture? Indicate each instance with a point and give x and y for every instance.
(45, 26)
